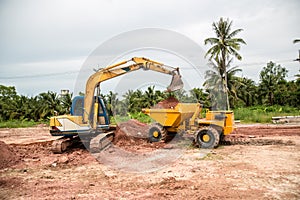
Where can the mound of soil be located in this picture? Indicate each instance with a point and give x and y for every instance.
(134, 133)
(130, 132)
(133, 136)
(134, 128)
(168, 103)
(7, 156)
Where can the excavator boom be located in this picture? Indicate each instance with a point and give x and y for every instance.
(120, 69)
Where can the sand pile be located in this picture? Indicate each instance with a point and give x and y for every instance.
(7, 156)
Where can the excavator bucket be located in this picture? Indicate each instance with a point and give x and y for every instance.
(176, 83)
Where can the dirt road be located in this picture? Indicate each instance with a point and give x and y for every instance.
(255, 170)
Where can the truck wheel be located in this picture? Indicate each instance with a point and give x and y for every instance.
(155, 133)
(207, 137)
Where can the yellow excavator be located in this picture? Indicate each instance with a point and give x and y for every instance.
(88, 117)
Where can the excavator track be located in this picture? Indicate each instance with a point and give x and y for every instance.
(101, 141)
(61, 145)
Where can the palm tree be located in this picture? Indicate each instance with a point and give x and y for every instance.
(298, 76)
(270, 78)
(200, 96)
(224, 45)
(110, 101)
(66, 102)
(296, 41)
(150, 97)
(215, 83)
(247, 91)
(49, 104)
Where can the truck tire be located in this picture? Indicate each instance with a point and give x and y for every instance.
(207, 137)
(156, 133)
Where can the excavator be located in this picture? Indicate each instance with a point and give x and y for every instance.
(88, 119)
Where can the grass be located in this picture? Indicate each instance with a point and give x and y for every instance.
(138, 116)
(263, 114)
(19, 123)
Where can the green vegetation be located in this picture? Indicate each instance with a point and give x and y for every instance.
(19, 123)
(21, 111)
(263, 114)
(138, 116)
(225, 47)
(272, 96)
(134, 101)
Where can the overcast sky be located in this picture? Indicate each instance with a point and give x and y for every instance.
(44, 44)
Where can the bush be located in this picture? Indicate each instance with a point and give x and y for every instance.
(263, 114)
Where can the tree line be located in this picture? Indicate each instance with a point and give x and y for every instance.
(272, 89)
(37, 108)
(222, 89)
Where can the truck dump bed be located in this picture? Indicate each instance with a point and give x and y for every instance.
(172, 117)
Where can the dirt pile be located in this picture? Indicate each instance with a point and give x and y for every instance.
(135, 133)
(168, 103)
(133, 128)
(130, 132)
(7, 156)
(133, 136)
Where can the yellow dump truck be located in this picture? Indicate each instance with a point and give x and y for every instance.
(186, 117)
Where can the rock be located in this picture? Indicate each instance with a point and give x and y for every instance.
(63, 159)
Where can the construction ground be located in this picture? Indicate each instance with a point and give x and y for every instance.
(263, 162)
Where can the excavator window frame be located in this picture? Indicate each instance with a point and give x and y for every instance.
(77, 108)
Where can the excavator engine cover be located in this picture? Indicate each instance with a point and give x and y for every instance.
(176, 83)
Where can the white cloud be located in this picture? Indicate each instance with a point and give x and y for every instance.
(53, 33)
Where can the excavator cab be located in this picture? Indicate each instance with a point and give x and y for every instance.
(77, 109)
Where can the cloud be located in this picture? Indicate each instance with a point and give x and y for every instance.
(55, 32)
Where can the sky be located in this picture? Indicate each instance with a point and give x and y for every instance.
(45, 44)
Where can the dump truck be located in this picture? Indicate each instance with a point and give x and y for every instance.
(186, 118)
(89, 118)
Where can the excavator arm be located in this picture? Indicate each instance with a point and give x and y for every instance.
(120, 69)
